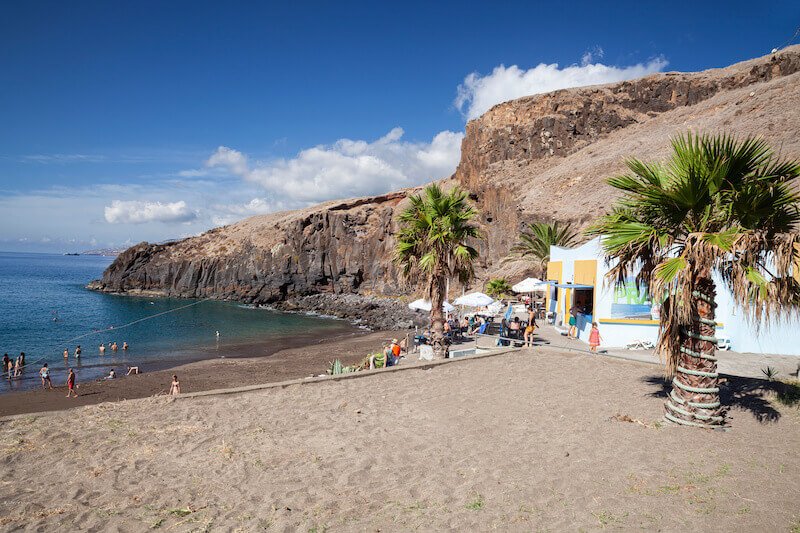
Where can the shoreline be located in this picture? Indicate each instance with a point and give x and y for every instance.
(247, 364)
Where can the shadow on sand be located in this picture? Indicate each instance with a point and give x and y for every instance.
(749, 394)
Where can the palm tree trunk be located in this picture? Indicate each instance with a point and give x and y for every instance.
(694, 399)
(437, 316)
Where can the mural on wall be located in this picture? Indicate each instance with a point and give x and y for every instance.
(631, 302)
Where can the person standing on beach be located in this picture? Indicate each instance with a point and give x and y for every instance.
(594, 337)
(71, 384)
(175, 387)
(45, 373)
(531, 327)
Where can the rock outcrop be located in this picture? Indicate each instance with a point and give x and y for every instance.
(541, 157)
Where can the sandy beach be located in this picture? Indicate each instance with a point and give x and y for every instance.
(529, 440)
(239, 365)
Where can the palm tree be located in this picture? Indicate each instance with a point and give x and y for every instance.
(433, 242)
(536, 241)
(498, 287)
(719, 208)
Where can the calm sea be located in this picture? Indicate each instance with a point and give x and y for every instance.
(44, 308)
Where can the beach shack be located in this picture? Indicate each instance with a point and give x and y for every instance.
(576, 279)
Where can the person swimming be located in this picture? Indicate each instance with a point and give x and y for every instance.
(125, 345)
(102, 349)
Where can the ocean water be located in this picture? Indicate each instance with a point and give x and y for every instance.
(45, 308)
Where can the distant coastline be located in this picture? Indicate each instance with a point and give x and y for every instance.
(105, 252)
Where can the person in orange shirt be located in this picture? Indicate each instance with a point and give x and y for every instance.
(395, 348)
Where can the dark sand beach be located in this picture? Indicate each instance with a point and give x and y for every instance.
(526, 441)
(247, 364)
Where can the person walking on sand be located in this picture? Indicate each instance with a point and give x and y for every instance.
(71, 384)
(45, 374)
(175, 387)
(528, 336)
(594, 337)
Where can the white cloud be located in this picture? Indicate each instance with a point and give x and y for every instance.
(479, 93)
(139, 212)
(346, 168)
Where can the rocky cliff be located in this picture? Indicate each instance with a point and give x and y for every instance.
(536, 158)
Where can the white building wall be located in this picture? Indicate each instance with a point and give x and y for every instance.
(781, 336)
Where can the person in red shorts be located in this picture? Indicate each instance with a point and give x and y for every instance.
(71, 384)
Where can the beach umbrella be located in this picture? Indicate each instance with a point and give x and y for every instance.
(424, 305)
(530, 285)
(474, 299)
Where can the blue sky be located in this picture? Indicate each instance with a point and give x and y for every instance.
(123, 122)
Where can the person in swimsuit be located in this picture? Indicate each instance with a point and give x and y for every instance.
(45, 373)
(125, 345)
(71, 384)
(102, 349)
(132, 370)
(66, 353)
(531, 327)
(78, 352)
(18, 367)
(175, 387)
(114, 346)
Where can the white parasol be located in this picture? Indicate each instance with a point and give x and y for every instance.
(530, 285)
(474, 299)
(424, 305)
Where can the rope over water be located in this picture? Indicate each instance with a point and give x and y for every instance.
(115, 328)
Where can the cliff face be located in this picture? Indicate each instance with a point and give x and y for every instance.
(546, 157)
(536, 158)
(338, 247)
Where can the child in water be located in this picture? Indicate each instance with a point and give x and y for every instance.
(594, 337)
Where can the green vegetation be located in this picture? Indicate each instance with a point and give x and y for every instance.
(769, 372)
(498, 287)
(536, 239)
(476, 504)
(789, 393)
(718, 205)
(433, 245)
